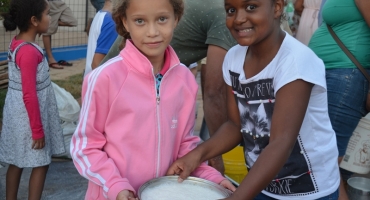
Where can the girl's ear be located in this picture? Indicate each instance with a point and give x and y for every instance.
(34, 21)
(124, 22)
(279, 8)
(176, 21)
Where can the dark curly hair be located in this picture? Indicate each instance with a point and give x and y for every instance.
(119, 12)
(20, 13)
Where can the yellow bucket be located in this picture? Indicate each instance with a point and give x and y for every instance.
(234, 162)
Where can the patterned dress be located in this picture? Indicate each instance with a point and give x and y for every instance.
(16, 134)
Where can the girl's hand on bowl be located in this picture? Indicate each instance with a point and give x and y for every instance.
(126, 195)
(228, 185)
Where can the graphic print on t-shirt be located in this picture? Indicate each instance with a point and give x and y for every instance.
(255, 102)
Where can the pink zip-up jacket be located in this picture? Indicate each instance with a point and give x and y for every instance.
(127, 134)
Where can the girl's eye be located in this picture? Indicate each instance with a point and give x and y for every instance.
(139, 21)
(230, 10)
(162, 19)
(251, 7)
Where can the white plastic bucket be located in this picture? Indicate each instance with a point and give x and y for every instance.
(357, 157)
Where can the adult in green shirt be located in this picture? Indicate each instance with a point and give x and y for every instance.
(346, 86)
(201, 33)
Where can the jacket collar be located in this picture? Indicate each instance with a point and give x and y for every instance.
(138, 62)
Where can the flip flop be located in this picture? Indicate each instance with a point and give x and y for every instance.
(64, 63)
(55, 66)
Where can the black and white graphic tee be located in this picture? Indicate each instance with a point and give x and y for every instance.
(311, 171)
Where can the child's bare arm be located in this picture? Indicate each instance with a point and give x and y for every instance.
(364, 7)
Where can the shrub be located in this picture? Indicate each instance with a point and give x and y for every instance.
(4, 6)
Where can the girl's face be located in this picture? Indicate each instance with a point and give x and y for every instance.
(251, 21)
(43, 24)
(151, 25)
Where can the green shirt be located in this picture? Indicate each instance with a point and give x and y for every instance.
(348, 23)
(202, 24)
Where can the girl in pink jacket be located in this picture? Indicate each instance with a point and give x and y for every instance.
(138, 108)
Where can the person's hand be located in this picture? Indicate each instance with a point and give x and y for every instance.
(183, 167)
(126, 195)
(218, 164)
(38, 144)
(228, 185)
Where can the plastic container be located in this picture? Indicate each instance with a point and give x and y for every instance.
(357, 157)
(358, 188)
(234, 162)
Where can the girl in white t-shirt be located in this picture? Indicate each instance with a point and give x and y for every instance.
(277, 109)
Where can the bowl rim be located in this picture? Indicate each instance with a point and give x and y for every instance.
(355, 190)
(190, 178)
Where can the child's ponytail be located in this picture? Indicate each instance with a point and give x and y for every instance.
(9, 22)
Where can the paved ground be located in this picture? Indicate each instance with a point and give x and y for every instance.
(63, 181)
(77, 68)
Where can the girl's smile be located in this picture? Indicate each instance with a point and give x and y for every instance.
(244, 32)
(251, 21)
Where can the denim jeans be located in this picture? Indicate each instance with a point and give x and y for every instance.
(98, 4)
(347, 92)
(332, 196)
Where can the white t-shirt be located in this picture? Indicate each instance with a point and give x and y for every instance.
(311, 171)
(101, 37)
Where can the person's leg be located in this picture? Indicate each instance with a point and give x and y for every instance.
(13, 177)
(66, 18)
(53, 27)
(36, 184)
(347, 91)
(47, 45)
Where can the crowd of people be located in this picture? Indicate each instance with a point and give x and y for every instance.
(291, 100)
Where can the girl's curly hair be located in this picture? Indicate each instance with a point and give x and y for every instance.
(119, 12)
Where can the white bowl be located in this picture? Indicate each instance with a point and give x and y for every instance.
(193, 188)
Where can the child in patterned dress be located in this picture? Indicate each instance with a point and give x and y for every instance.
(31, 131)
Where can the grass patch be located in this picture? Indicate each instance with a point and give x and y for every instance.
(72, 84)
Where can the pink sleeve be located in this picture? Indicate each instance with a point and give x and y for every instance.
(189, 143)
(88, 141)
(28, 58)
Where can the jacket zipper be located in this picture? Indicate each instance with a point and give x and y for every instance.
(158, 99)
